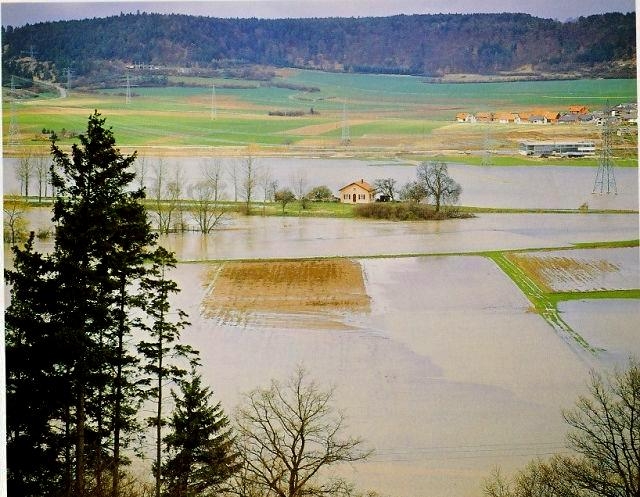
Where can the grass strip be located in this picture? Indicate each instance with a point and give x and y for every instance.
(557, 297)
(543, 304)
(608, 244)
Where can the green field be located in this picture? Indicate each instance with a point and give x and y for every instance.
(391, 115)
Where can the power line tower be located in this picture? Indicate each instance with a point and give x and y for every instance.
(487, 157)
(346, 134)
(14, 131)
(605, 181)
(214, 103)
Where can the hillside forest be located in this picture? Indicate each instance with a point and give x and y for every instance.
(426, 45)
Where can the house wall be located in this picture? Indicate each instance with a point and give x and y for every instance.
(362, 195)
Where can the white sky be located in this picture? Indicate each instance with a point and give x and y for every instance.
(19, 13)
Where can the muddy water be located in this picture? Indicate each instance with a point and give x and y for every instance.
(543, 187)
(274, 237)
(447, 376)
(609, 324)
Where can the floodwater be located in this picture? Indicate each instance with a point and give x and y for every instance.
(446, 377)
(608, 324)
(276, 237)
(449, 373)
(531, 187)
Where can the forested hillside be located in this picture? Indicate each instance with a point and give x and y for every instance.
(428, 45)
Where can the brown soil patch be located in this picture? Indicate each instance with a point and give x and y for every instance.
(549, 271)
(301, 293)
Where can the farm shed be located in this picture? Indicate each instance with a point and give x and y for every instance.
(358, 192)
(563, 149)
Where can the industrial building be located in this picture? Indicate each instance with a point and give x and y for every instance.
(562, 149)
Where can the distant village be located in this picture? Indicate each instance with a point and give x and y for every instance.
(575, 114)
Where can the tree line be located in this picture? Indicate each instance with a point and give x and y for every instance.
(429, 45)
(92, 340)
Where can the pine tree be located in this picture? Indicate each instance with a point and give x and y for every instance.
(200, 445)
(162, 353)
(33, 445)
(102, 234)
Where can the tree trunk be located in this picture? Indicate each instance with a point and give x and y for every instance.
(80, 441)
(117, 422)
(159, 419)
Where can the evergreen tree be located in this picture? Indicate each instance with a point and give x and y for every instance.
(101, 238)
(161, 352)
(73, 383)
(200, 445)
(33, 445)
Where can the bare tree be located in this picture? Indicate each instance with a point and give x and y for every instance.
(440, 187)
(24, 172)
(207, 211)
(173, 201)
(413, 191)
(605, 438)
(212, 172)
(386, 187)
(41, 169)
(300, 187)
(235, 178)
(287, 434)
(166, 195)
(249, 180)
(269, 186)
(141, 171)
(14, 209)
(157, 194)
(606, 433)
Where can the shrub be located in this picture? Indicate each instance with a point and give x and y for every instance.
(405, 211)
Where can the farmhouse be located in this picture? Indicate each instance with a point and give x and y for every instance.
(562, 149)
(578, 109)
(358, 192)
(465, 117)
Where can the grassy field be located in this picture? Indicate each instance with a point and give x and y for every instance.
(544, 299)
(392, 116)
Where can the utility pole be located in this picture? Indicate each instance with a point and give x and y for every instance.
(346, 135)
(14, 131)
(487, 158)
(214, 103)
(128, 96)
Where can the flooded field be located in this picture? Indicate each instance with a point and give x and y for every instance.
(583, 270)
(445, 376)
(437, 359)
(275, 237)
(531, 187)
(608, 324)
(310, 294)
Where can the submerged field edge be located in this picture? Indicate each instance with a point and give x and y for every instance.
(633, 293)
(543, 305)
(477, 253)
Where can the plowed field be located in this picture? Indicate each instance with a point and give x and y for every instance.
(309, 293)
